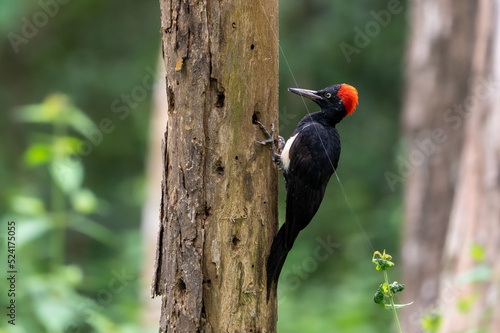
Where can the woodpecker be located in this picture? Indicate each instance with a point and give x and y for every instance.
(308, 160)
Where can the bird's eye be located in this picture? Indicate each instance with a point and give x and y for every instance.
(328, 95)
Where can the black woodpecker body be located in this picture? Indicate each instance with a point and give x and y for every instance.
(309, 158)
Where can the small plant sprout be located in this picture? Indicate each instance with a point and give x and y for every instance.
(387, 290)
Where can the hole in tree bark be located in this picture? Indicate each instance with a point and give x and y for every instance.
(255, 116)
(208, 211)
(170, 99)
(220, 100)
(181, 286)
(252, 47)
(203, 315)
(219, 169)
(236, 241)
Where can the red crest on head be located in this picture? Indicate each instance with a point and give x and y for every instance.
(349, 96)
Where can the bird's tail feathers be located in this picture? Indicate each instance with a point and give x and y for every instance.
(276, 260)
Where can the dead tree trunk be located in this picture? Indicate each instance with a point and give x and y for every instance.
(219, 205)
(452, 198)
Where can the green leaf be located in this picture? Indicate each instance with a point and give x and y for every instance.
(65, 145)
(397, 306)
(84, 201)
(37, 154)
(71, 274)
(80, 122)
(383, 262)
(53, 313)
(26, 205)
(31, 229)
(478, 252)
(58, 109)
(431, 322)
(51, 110)
(68, 178)
(378, 298)
(35, 113)
(466, 303)
(397, 287)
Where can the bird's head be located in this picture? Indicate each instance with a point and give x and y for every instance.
(337, 101)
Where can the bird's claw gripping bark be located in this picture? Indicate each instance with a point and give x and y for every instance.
(270, 141)
(269, 136)
(281, 144)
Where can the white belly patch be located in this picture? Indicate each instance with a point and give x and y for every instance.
(285, 155)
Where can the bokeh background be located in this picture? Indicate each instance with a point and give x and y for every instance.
(78, 77)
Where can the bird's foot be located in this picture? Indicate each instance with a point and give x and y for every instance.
(270, 141)
(281, 144)
(269, 136)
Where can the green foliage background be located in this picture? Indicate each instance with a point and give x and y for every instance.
(73, 240)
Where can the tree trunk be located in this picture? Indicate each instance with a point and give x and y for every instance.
(452, 196)
(220, 190)
(471, 264)
(439, 62)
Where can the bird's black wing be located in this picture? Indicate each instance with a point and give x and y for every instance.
(314, 155)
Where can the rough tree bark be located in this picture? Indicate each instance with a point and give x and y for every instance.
(219, 203)
(453, 189)
(439, 61)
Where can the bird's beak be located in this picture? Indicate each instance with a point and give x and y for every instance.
(311, 94)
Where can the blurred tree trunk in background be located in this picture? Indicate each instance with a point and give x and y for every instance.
(438, 67)
(471, 263)
(220, 190)
(149, 227)
(452, 184)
